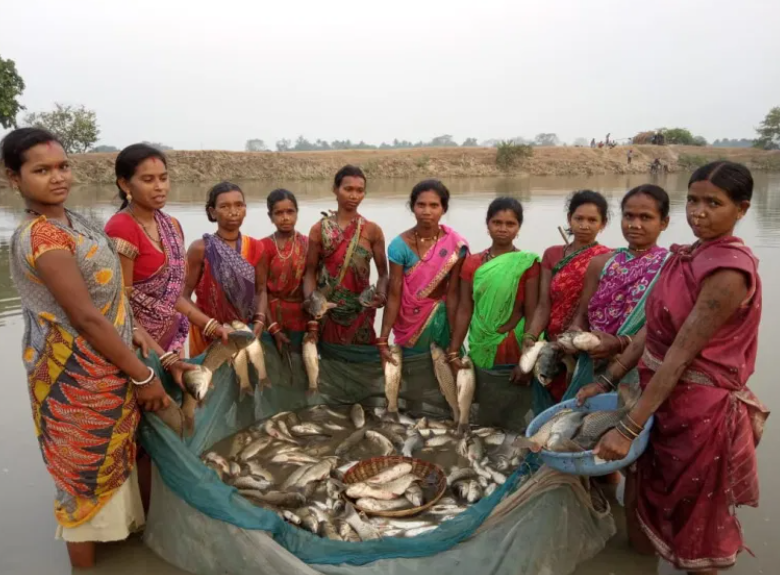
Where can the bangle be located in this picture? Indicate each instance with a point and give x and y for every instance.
(147, 381)
(274, 328)
(259, 315)
(382, 344)
(606, 380)
(634, 423)
(210, 327)
(623, 433)
(382, 339)
(531, 336)
(621, 364)
(623, 427)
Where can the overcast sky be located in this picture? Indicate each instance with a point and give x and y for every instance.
(211, 74)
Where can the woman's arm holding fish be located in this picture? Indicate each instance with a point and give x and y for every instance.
(531, 298)
(618, 368)
(200, 319)
(592, 277)
(452, 297)
(542, 314)
(60, 274)
(460, 326)
(391, 310)
(380, 260)
(720, 297)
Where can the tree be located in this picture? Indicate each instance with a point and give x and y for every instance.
(681, 136)
(769, 131)
(11, 88)
(283, 145)
(255, 145)
(104, 150)
(76, 128)
(546, 140)
(700, 141)
(444, 141)
(470, 143)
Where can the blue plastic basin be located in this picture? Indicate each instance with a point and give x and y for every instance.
(583, 462)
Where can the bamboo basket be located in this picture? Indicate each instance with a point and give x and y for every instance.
(430, 473)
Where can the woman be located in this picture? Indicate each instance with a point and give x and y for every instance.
(499, 289)
(338, 264)
(563, 273)
(700, 345)
(618, 283)
(425, 263)
(151, 248)
(280, 272)
(86, 383)
(222, 266)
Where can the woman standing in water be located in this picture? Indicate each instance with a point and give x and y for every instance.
(151, 247)
(425, 264)
(563, 273)
(280, 272)
(699, 352)
(617, 284)
(338, 264)
(221, 267)
(499, 289)
(86, 383)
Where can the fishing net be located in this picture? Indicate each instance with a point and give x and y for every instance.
(203, 525)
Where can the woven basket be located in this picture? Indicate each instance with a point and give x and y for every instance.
(428, 472)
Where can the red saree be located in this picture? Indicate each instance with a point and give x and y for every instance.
(701, 462)
(285, 282)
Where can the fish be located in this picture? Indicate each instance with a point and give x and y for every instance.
(365, 531)
(278, 430)
(307, 429)
(293, 458)
(328, 530)
(289, 499)
(460, 474)
(419, 531)
(491, 489)
(218, 353)
(311, 361)
(256, 355)
(197, 381)
(239, 442)
(357, 415)
(446, 509)
(539, 440)
(235, 469)
(255, 447)
(333, 426)
(391, 473)
(317, 305)
(315, 472)
(446, 379)
(422, 423)
(334, 488)
(249, 482)
(471, 448)
(393, 378)
(347, 533)
(491, 474)
(586, 341)
(241, 367)
(435, 424)
(529, 357)
(381, 441)
(309, 519)
(350, 442)
(551, 362)
(255, 469)
(412, 444)
(566, 341)
(495, 439)
(439, 440)
(321, 413)
(385, 491)
(217, 463)
(366, 297)
(414, 494)
(291, 517)
(475, 492)
(465, 384)
(563, 431)
(370, 504)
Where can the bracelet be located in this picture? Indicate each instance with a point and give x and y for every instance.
(259, 315)
(210, 327)
(617, 428)
(606, 380)
(262, 323)
(274, 328)
(623, 427)
(634, 423)
(621, 364)
(382, 339)
(531, 336)
(147, 381)
(382, 344)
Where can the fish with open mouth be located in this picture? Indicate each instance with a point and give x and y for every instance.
(254, 355)
(551, 362)
(318, 305)
(366, 298)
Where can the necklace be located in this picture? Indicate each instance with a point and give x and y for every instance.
(227, 241)
(40, 215)
(430, 250)
(490, 256)
(279, 252)
(639, 251)
(143, 227)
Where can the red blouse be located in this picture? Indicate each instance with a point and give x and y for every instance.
(131, 240)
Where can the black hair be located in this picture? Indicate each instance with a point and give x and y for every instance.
(431, 186)
(504, 204)
(279, 195)
(734, 179)
(348, 171)
(215, 192)
(584, 197)
(16, 143)
(656, 192)
(129, 159)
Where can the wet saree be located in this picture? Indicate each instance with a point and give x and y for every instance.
(345, 269)
(83, 407)
(495, 291)
(285, 282)
(701, 462)
(421, 319)
(226, 290)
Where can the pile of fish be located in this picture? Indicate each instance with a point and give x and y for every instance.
(294, 464)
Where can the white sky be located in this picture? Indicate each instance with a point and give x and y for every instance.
(211, 74)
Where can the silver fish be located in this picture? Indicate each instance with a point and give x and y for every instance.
(381, 441)
(291, 517)
(529, 357)
(419, 531)
(347, 533)
(241, 367)
(366, 297)
(321, 413)
(428, 433)
(350, 442)
(309, 519)
(333, 426)
(317, 305)
(279, 498)
(307, 429)
(412, 444)
(393, 378)
(274, 429)
(254, 354)
(385, 491)
(466, 384)
(446, 379)
(438, 441)
(364, 530)
(446, 509)
(414, 494)
(475, 492)
(422, 423)
(566, 341)
(293, 458)
(491, 489)
(492, 474)
(370, 504)
(390, 474)
(219, 353)
(357, 415)
(311, 361)
(218, 462)
(460, 474)
(328, 530)
(255, 469)
(471, 448)
(197, 381)
(586, 341)
(314, 472)
(334, 488)
(249, 482)
(239, 443)
(563, 431)
(539, 440)
(436, 424)
(551, 362)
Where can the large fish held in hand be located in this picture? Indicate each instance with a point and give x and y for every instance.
(393, 378)
(317, 305)
(253, 355)
(311, 361)
(551, 362)
(446, 380)
(466, 383)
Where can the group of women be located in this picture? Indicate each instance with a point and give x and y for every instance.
(681, 322)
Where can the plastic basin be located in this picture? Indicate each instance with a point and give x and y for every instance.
(583, 462)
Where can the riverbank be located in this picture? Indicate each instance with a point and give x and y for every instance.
(211, 166)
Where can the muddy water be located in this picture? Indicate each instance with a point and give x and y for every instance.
(27, 544)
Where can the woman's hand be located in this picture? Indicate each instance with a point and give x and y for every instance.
(609, 345)
(378, 301)
(152, 396)
(455, 366)
(257, 328)
(386, 355)
(222, 333)
(312, 335)
(281, 340)
(143, 341)
(590, 390)
(518, 377)
(177, 371)
(612, 447)
(506, 328)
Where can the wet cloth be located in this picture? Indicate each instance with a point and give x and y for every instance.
(284, 285)
(422, 320)
(701, 461)
(497, 285)
(154, 297)
(84, 408)
(226, 289)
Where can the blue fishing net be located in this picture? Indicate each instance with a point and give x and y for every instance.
(348, 374)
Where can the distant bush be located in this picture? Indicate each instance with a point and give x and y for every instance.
(510, 155)
(692, 161)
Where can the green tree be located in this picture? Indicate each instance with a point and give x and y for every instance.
(255, 145)
(470, 143)
(769, 131)
(104, 150)
(681, 136)
(444, 141)
(11, 88)
(76, 128)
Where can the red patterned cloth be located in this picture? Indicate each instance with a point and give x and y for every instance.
(285, 282)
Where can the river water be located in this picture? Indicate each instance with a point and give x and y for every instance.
(27, 544)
